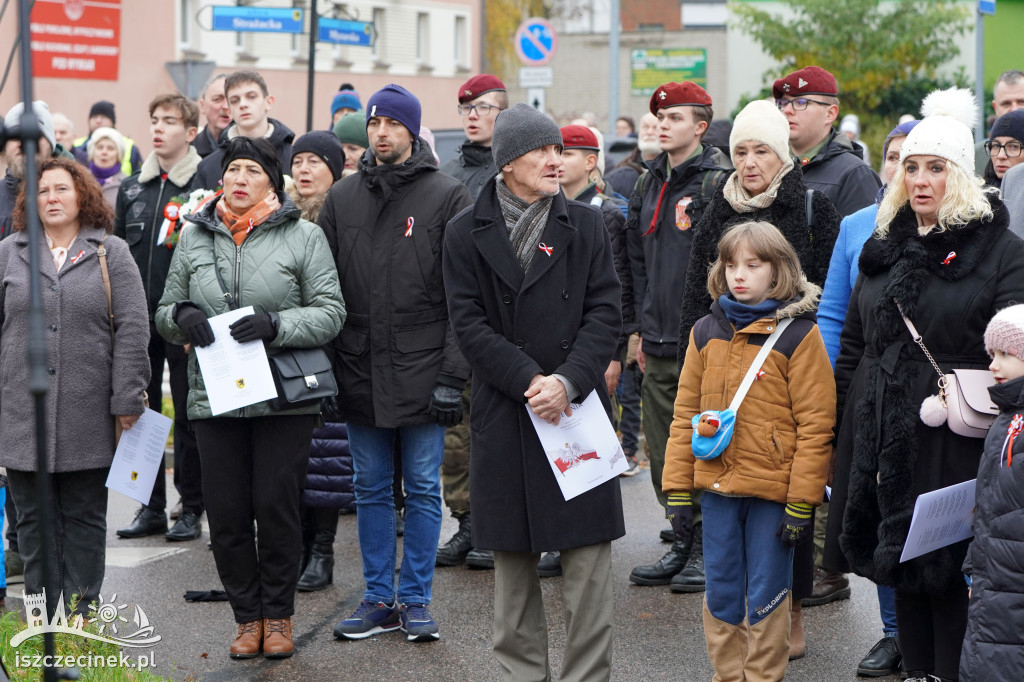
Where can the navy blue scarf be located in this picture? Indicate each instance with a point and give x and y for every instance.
(741, 314)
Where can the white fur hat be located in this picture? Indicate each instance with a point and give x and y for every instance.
(945, 131)
(108, 134)
(761, 121)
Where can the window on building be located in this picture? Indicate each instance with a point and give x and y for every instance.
(461, 50)
(380, 29)
(423, 38)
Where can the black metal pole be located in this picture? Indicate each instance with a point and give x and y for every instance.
(38, 379)
(314, 29)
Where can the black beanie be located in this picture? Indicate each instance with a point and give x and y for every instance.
(324, 144)
(1010, 124)
(103, 108)
(256, 149)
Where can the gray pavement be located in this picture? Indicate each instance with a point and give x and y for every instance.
(658, 634)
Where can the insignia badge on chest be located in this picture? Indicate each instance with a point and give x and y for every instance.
(682, 217)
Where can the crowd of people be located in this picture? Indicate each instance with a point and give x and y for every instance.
(784, 323)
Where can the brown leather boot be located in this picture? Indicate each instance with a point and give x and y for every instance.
(277, 638)
(797, 644)
(247, 641)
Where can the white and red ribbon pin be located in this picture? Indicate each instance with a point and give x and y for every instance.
(77, 256)
(949, 258)
(1016, 425)
(409, 222)
(546, 249)
(760, 373)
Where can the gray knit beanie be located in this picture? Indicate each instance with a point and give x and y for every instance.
(521, 129)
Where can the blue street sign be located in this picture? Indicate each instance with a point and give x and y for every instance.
(345, 32)
(535, 41)
(987, 7)
(257, 19)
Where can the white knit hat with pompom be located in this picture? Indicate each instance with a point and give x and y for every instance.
(945, 131)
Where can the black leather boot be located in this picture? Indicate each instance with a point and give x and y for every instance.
(661, 573)
(453, 552)
(550, 565)
(319, 571)
(691, 578)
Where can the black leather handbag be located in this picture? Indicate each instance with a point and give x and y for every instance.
(303, 376)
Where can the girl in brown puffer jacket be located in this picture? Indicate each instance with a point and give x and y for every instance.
(759, 492)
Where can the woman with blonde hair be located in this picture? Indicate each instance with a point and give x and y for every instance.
(941, 256)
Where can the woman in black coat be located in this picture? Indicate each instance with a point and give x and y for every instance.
(941, 253)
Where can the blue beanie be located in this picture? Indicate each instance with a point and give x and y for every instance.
(345, 99)
(395, 102)
(902, 130)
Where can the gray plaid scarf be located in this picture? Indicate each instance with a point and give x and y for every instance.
(524, 222)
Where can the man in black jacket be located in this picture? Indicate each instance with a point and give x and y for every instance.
(250, 103)
(147, 204)
(809, 98)
(667, 202)
(400, 372)
(481, 98)
(213, 104)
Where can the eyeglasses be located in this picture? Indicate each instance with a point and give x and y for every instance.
(799, 104)
(1012, 149)
(481, 109)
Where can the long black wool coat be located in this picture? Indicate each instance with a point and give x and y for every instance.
(949, 284)
(561, 316)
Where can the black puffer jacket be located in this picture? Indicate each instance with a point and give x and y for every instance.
(788, 213)
(139, 215)
(993, 648)
(839, 173)
(885, 455)
(473, 167)
(659, 254)
(329, 477)
(385, 225)
(615, 223)
(208, 176)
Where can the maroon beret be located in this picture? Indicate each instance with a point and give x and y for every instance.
(478, 85)
(685, 94)
(579, 137)
(810, 80)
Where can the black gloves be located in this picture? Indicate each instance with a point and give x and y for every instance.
(194, 323)
(680, 515)
(258, 327)
(795, 522)
(330, 411)
(446, 405)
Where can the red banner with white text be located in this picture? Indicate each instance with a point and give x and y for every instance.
(76, 39)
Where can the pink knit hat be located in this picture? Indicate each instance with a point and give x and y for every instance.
(1006, 332)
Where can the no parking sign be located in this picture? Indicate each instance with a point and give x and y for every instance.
(535, 41)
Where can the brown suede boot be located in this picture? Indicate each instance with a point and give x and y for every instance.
(797, 644)
(727, 647)
(277, 638)
(767, 657)
(247, 641)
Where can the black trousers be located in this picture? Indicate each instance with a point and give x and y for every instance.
(187, 467)
(931, 631)
(76, 540)
(254, 470)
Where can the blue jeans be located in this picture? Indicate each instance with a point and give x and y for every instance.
(887, 609)
(629, 400)
(749, 572)
(372, 448)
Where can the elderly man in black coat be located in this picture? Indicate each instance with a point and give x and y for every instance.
(534, 302)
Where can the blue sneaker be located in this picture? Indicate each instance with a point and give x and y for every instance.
(371, 618)
(417, 623)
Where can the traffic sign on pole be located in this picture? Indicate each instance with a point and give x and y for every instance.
(535, 41)
(257, 19)
(987, 7)
(345, 32)
(537, 98)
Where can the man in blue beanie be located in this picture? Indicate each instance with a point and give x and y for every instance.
(400, 372)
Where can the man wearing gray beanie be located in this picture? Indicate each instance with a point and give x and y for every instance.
(534, 304)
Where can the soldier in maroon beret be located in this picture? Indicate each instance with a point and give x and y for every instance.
(809, 98)
(667, 202)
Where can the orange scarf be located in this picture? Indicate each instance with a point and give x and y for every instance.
(241, 225)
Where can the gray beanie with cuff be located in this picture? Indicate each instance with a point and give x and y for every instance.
(521, 129)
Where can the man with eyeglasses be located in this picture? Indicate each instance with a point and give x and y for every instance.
(809, 99)
(480, 100)
(1004, 146)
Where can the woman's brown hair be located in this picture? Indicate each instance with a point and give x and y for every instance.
(93, 210)
(765, 241)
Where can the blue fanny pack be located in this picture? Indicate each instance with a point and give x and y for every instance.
(718, 425)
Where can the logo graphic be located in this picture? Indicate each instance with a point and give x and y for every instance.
(373, 112)
(108, 615)
(785, 87)
(662, 95)
(240, 383)
(800, 82)
(74, 9)
(682, 219)
(409, 222)
(572, 456)
(468, 93)
(135, 475)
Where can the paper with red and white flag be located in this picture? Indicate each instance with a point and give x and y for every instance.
(582, 449)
